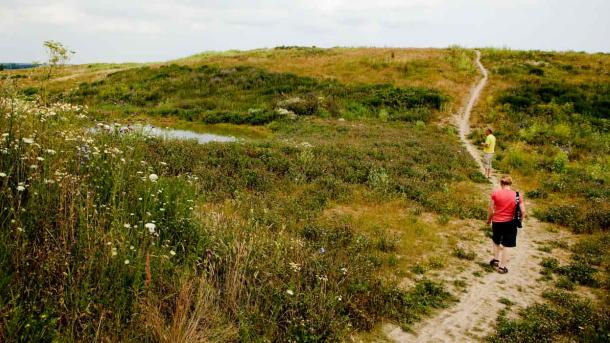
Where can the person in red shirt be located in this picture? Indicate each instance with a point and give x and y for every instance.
(501, 214)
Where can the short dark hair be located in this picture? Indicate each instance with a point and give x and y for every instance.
(490, 130)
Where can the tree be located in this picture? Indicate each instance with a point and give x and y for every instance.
(58, 54)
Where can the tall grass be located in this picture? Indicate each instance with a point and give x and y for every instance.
(115, 236)
(552, 122)
(246, 95)
(564, 315)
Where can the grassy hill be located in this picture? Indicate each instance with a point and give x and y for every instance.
(552, 116)
(306, 232)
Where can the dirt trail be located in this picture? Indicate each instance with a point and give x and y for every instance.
(474, 316)
(462, 120)
(94, 74)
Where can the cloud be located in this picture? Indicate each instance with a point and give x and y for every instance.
(156, 29)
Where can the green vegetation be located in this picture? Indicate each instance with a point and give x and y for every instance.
(246, 95)
(459, 252)
(122, 237)
(304, 231)
(552, 120)
(550, 115)
(565, 315)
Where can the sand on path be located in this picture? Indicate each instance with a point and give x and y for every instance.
(474, 316)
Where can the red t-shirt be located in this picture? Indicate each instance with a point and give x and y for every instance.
(504, 205)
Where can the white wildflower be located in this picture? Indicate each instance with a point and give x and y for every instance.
(2, 175)
(153, 177)
(289, 292)
(28, 140)
(50, 151)
(173, 253)
(151, 227)
(126, 262)
(127, 226)
(295, 266)
(20, 188)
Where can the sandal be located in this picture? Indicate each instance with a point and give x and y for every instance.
(494, 262)
(502, 270)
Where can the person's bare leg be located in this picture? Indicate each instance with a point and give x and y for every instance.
(505, 257)
(497, 251)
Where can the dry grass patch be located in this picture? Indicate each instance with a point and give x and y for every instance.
(436, 68)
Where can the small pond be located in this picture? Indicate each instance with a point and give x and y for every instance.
(168, 133)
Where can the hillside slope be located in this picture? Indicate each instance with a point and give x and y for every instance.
(356, 206)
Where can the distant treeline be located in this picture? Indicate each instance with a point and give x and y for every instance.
(17, 65)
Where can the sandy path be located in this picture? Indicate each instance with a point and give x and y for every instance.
(94, 74)
(463, 120)
(474, 316)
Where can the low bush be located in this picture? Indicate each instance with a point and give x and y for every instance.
(564, 316)
(459, 252)
(577, 217)
(247, 95)
(208, 241)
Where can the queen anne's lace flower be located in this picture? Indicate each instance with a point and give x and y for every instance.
(151, 227)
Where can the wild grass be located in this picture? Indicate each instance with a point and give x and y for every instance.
(246, 95)
(550, 112)
(451, 70)
(564, 315)
(119, 237)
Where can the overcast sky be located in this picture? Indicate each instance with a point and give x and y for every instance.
(153, 30)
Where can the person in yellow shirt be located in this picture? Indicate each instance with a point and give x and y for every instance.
(489, 148)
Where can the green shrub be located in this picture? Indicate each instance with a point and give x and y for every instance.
(550, 263)
(563, 316)
(536, 194)
(459, 252)
(578, 218)
(565, 283)
(247, 95)
(579, 272)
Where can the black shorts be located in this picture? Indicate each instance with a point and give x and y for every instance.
(504, 233)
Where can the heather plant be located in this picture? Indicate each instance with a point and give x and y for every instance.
(115, 235)
(564, 314)
(552, 120)
(248, 95)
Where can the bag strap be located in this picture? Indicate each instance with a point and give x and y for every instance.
(517, 198)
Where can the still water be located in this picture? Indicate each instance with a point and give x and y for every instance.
(169, 133)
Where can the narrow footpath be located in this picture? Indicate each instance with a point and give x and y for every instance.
(474, 316)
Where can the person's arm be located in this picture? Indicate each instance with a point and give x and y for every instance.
(490, 211)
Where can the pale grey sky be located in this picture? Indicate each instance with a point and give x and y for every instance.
(153, 30)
